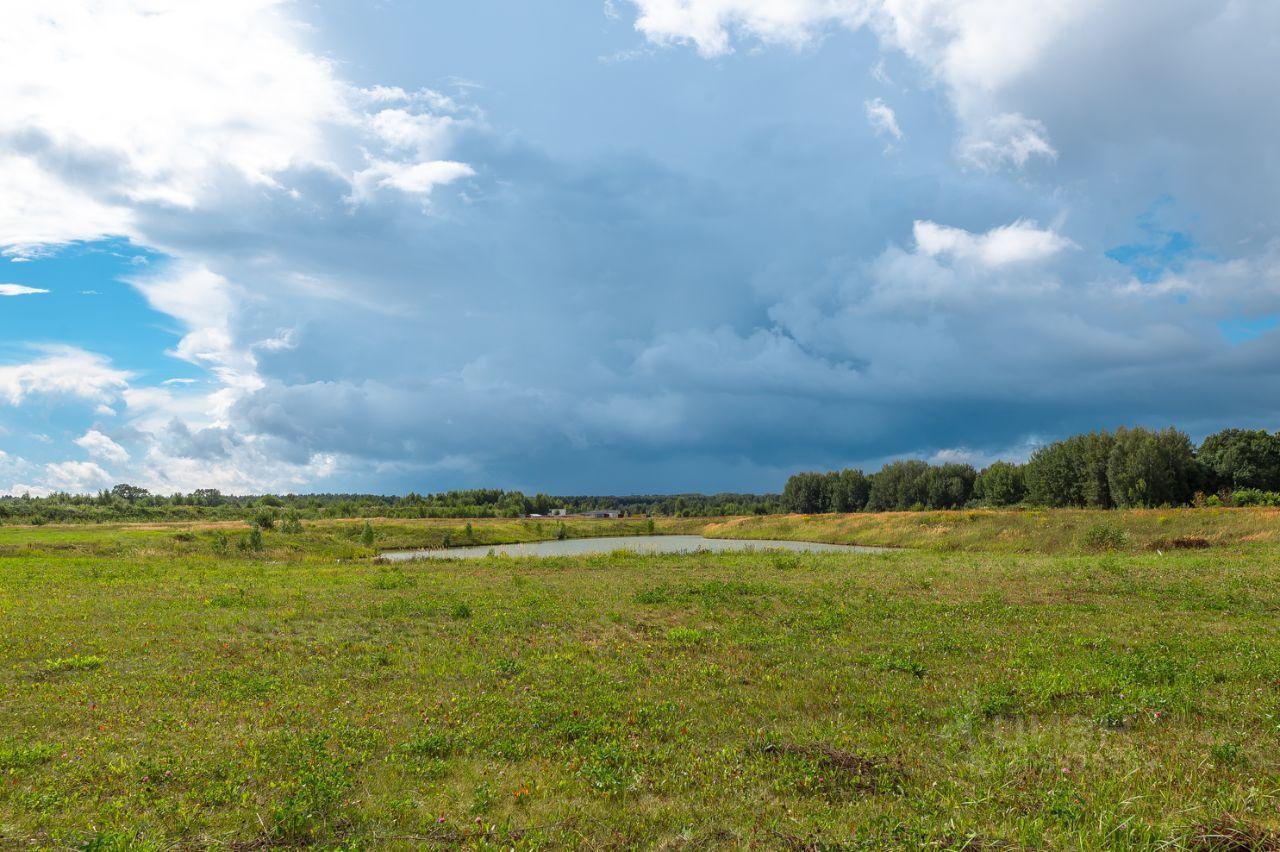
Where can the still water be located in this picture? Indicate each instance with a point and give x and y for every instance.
(637, 543)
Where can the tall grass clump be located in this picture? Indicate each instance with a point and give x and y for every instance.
(1105, 536)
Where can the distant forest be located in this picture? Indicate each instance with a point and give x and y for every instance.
(1128, 468)
(129, 502)
(1121, 469)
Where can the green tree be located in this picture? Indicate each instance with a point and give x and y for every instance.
(129, 493)
(848, 491)
(1094, 450)
(1241, 458)
(366, 535)
(1000, 484)
(805, 493)
(1052, 475)
(948, 486)
(899, 486)
(1151, 468)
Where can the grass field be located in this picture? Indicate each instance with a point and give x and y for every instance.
(1014, 680)
(1020, 531)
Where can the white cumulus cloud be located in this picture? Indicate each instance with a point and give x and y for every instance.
(101, 446)
(77, 477)
(63, 371)
(112, 106)
(1018, 242)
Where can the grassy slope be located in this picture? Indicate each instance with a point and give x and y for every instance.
(336, 539)
(1014, 531)
(152, 692)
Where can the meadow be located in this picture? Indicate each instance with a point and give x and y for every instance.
(1006, 680)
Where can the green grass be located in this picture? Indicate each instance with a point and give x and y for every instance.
(1020, 530)
(155, 693)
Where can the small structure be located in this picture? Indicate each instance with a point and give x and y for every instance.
(602, 513)
(559, 513)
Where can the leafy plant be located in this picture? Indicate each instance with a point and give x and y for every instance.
(74, 663)
(1105, 536)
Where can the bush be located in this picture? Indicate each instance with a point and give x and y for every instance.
(1254, 497)
(366, 535)
(266, 519)
(1105, 537)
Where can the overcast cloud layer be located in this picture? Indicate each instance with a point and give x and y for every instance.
(710, 256)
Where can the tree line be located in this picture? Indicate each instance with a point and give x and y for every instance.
(1124, 468)
(1127, 468)
(131, 502)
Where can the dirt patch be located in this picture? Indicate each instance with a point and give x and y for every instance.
(1185, 542)
(863, 773)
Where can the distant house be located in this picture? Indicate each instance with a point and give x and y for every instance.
(559, 513)
(602, 513)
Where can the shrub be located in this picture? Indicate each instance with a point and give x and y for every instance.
(266, 519)
(1254, 497)
(221, 544)
(366, 535)
(1105, 537)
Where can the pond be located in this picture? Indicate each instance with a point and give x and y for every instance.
(608, 544)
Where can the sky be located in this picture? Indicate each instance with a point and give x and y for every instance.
(624, 246)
